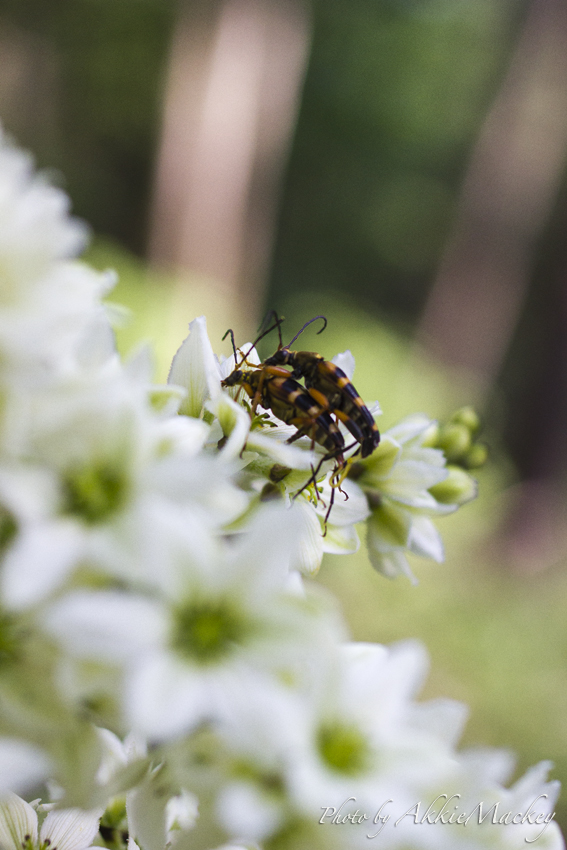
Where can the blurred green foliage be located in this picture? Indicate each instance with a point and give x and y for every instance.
(108, 62)
(393, 99)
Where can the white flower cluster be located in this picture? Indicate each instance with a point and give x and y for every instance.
(150, 583)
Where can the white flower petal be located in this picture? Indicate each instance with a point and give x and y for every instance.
(108, 625)
(244, 810)
(341, 540)
(17, 821)
(388, 527)
(486, 766)
(381, 463)
(391, 564)
(425, 540)
(35, 228)
(442, 718)
(409, 478)
(29, 493)
(164, 697)
(307, 549)
(531, 782)
(22, 765)
(410, 428)
(268, 444)
(235, 424)
(70, 829)
(113, 758)
(146, 810)
(424, 454)
(418, 501)
(180, 813)
(350, 504)
(345, 361)
(261, 557)
(97, 344)
(194, 368)
(408, 665)
(374, 408)
(139, 367)
(183, 434)
(39, 561)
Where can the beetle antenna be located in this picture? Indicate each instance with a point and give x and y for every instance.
(314, 319)
(231, 332)
(277, 324)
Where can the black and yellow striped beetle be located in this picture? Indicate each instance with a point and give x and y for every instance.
(291, 403)
(328, 385)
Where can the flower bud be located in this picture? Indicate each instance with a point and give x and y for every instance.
(431, 436)
(455, 440)
(476, 456)
(468, 417)
(459, 487)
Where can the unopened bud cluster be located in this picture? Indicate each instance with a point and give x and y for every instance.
(457, 438)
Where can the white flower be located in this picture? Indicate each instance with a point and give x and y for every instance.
(354, 732)
(220, 623)
(112, 475)
(42, 339)
(67, 829)
(35, 230)
(362, 738)
(505, 818)
(49, 302)
(396, 479)
(157, 809)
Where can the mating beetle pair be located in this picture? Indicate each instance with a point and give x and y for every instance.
(309, 408)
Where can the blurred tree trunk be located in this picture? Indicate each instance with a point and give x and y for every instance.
(30, 88)
(232, 93)
(535, 532)
(508, 196)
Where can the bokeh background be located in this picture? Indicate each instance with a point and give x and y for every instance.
(398, 165)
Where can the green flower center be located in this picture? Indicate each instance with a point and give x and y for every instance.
(95, 492)
(343, 748)
(207, 631)
(114, 825)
